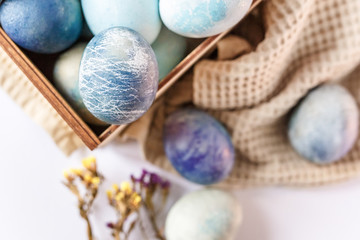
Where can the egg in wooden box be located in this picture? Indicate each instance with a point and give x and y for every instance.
(202, 18)
(42, 26)
(66, 80)
(139, 15)
(169, 49)
(119, 76)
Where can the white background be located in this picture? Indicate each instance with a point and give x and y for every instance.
(35, 205)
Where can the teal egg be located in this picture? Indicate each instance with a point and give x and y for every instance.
(202, 18)
(169, 49)
(66, 80)
(140, 15)
(204, 215)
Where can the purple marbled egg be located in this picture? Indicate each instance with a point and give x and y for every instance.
(324, 126)
(118, 76)
(198, 146)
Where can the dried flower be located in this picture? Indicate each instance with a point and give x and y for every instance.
(147, 185)
(126, 202)
(90, 179)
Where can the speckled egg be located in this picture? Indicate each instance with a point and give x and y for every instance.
(42, 26)
(198, 146)
(118, 76)
(139, 15)
(66, 80)
(169, 49)
(202, 18)
(207, 214)
(324, 126)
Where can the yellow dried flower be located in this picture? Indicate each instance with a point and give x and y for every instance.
(77, 172)
(88, 178)
(109, 194)
(126, 187)
(68, 176)
(89, 163)
(95, 181)
(120, 196)
(136, 200)
(115, 187)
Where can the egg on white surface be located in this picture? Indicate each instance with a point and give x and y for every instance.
(204, 215)
(202, 18)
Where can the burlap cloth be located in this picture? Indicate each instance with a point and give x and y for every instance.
(306, 43)
(251, 87)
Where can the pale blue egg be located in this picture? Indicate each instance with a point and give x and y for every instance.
(204, 215)
(324, 126)
(118, 76)
(66, 80)
(198, 146)
(169, 49)
(139, 15)
(42, 26)
(202, 18)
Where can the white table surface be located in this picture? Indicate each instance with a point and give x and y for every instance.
(35, 205)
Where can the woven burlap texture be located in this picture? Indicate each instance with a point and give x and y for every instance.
(23, 92)
(307, 43)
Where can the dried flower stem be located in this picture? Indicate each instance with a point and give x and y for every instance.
(90, 179)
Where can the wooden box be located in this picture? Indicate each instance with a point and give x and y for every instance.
(88, 135)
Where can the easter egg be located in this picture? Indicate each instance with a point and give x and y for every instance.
(169, 49)
(198, 146)
(118, 76)
(139, 15)
(66, 80)
(42, 26)
(204, 215)
(202, 18)
(325, 125)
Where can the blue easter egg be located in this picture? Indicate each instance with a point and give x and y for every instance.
(139, 15)
(198, 146)
(42, 26)
(325, 125)
(169, 49)
(207, 214)
(118, 76)
(66, 80)
(202, 18)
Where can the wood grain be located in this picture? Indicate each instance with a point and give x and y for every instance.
(49, 92)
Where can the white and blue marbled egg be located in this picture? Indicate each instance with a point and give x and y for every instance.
(66, 80)
(324, 126)
(202, 18)
(198, 146)
(42, 26)
(118, 76)
(169, 49)
(207, 214)
(139, 15)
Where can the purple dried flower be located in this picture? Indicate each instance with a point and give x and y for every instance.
(110, 225)
(155, 179)
(165, 185)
